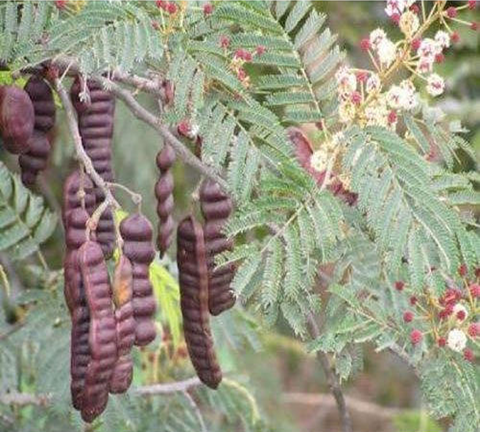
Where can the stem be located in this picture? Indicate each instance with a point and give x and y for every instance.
(332, 379)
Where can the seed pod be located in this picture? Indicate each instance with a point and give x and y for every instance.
(77, 304)
(193, 277)
(164, 195)
(16, 119)
(136, 232)
(35, 159)
(95, 122)
(71, 194)
(216, 208)
(102, 337)
(125, 326)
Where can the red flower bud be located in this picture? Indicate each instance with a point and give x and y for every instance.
(207, 9)
(455, 37)
(392, 117)
(441, 342)
(451, 12)
(224, 41)
(468, 355)
(365, 44)
(399, 285)
(474, 329)
(413, 300)
(172, 8)
(416, 336)
(408, 316)
(416, 44)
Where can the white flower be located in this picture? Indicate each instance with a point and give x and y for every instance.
(457, 340)
(347, 81)
(387, 52)
(429, 48)
(460, 308)
(409, 23)
(425, 65)
(395, 6)
(410, 100)
(376, 36)
(318, 160)
(373, 83)
(376, 113)
(436, 85)
(442, 38)
(395, 97)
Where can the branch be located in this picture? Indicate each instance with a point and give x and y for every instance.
(23, 399)
(332, 379)
(174, 387)
(79, 150)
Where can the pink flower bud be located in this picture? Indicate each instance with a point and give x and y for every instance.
(416, 336)
(474, 329)
(207, 9)
(468, 355)
(408, 316)
(399, 285)
(451, 12)
(365, 44)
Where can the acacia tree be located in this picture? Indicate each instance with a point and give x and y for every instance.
(328, 165)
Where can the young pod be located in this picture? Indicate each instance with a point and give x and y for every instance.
(136, 232)
(125, 326)
(95, 122)
(76, 301)
(194, 293)
(16, 119)
(164, 195)
(216, 208)
(103, 336)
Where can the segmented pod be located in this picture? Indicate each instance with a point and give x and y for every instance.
(75, 229)
(102, 336)
(16, 119)
(125, 326)
(95, 122)
(73, 197)
(216, 209)
(194, 293)
(136, 232)
(35, 159)
(164, 195)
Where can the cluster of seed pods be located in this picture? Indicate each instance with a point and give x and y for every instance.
(95, 123)
(26, 117)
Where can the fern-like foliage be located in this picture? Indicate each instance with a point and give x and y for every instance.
(25, 222)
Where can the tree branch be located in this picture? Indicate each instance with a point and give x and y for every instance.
(165, 388)
(332, 379)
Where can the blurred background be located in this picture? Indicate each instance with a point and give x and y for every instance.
(287, 381)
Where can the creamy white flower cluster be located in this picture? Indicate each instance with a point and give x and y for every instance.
(397, 6)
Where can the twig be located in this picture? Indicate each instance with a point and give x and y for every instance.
(178, 386)
(196, 410)
(79, 150)
(332, 379)
(325, 400)
(23, 399)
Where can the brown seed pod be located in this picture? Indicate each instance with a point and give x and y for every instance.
(125, 326)
(35, 159)
(216, 208)
(193, 277)
(95, 122)
(136, 232)
(75, 297)
(164, 195)
(102, 336)
(71, 195)
(16, 119)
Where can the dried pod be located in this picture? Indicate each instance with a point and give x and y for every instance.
(73, 197)
(193, 276)
(136, 232)
(16, 119)
(164, 195)
(216, 208)
(76, 301)
(102, 336)
(95, 122)
(125, 326)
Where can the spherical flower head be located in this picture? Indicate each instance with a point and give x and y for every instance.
(373, 83)
(413, 300)
(409, 23)
(441, 342)
(347, 81)
(439, 58)
(474, 26)
(460, 312)
(241, 74)
(474, 329)
(416, 44)
(172, 8)
(392, 117)
(463, 270)
(395, 7)
(415, 9)
(376, 36)
(365, 44)
(207, 9)
(474, 290)
(452, 12)
(455, 37)
(356, 98)
(468, 355)
(472, 4)
(224, 41)
(260, 50)
(428, 48)
(416, 336)
(442, 38)
(457, 340)
(387, 52)
(408, 316)
(425, 65)
(435, 85)
(318, 160)
(410, 96)
(395, 17)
